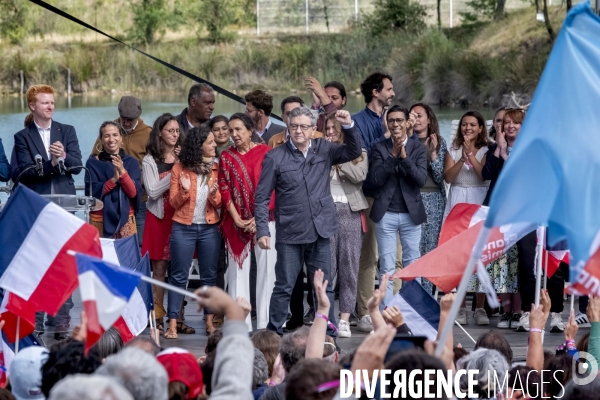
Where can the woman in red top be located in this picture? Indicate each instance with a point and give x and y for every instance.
(115, 179)
(239, 172)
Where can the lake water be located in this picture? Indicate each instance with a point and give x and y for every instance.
(87, 113)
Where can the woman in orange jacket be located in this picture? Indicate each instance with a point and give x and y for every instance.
(195, 195)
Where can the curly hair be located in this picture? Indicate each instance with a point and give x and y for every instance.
(191, 152)
(155, 145)
(110, 123)
(261, 100)
(67, 358)
(481, 140)
(433, 129)
(373, 81)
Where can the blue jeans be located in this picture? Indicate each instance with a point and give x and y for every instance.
(206, 240)
(410, 238)
(140, 221)
(290, 259)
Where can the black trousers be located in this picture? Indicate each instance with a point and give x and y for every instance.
(526, 248)
(556, 286)
(61, 321)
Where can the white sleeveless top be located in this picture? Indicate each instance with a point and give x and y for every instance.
(467, 176)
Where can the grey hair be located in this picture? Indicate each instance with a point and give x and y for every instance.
(89, 387)
(574, 391)
(261, 368)
(138, 372)
(293, 347)
(197, 89)
(304, 111)
(490, 364)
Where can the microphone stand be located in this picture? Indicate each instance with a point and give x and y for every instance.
(21, 174)
(86, 212)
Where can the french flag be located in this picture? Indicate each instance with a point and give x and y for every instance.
(126, 254)
(105, 292)
(15, 312)
(35, 236)
(420, 310)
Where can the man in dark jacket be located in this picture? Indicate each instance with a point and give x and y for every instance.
(201, 104)
(4, 165)
(54, 142)
(305, 216)
(398, 172)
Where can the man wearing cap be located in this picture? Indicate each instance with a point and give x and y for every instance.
(26, 373)
(134, 144)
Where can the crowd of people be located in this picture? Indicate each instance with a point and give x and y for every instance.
(330, 197)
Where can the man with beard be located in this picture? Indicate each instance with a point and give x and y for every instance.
(259, 105)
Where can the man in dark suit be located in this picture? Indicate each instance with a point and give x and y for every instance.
(201, 104)
(305, 216)
(398, 171)
(54, 142)
(259, 105)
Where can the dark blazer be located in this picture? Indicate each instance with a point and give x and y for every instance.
(387, 171)
(304, 208)
(4, 165)
(491, 170)
(273, 130)
(28, 143)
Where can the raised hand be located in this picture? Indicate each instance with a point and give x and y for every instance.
(185, 181)
(571, 327)
(343, 117)
(393, 316)
(319, 94)
(243, 302)
(323, 303)
(378, 294)
(118, 163)
(502, 144)
(593, 309)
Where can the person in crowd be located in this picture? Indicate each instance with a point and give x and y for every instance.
(433, 193)
(5, 170)
(497, 123)
(67, 358)
(261, 370)
(195, 196)
(25, 372)
(219, 126)
(304, 213)
(412, 360)
(299, 317)
(397, 174)
(494, 341)
(307, 381)
(109, 343)
(54, 142)
(378, 92)
(233, 362)
(185, 376)
(78, 388)
(574, 391)
(140, 373)
(259, 105)
(322, 102)
(346, 189)
(268, 342)
(522, 270)
(115, 179)
(162, 150)
(135, 137)
(239, 172)
(462, 170)
(201, 104)
(145, 343)
(492, 368)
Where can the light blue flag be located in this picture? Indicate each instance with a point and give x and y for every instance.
(552, 176)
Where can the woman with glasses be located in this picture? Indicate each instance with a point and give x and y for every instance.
(239, 171)
(464, 161)
(115, 179)
(162, 150)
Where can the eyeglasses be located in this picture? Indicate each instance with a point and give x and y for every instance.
(396, 121)
(172, 131)
(295, 127)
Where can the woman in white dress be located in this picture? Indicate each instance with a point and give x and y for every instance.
(462, 170)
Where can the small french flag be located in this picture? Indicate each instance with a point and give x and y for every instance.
(105, 292)
(420, 310)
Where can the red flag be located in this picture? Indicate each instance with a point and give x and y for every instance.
(555, 257)
(11, 309)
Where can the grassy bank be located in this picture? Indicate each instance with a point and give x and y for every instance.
(476, 66)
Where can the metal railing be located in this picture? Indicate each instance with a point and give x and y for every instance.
(6, 189)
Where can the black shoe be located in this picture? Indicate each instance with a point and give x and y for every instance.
(38, 333)
(309, 317)
(61, 335)
(291, 325)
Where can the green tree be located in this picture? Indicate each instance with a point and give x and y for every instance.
(483, 11)
(215, 16)
(395, 15)
(13, 20)
(150, 17)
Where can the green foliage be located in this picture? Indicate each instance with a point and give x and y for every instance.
(402, 15)
(13, 20)
(150, 17)
(215, 15)
(482, 11)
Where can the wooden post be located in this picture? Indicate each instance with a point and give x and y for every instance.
(68, 81)
(22, 82)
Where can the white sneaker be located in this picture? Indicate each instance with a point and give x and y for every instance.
(524, 323)
(556, 322)
(504, 322)
(344, 329)
(582, 320)
(461, 318)
(481, 317)
(365, 324)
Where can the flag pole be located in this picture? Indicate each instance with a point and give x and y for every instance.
(482, 238)
(17, 338)
(541, 239)
(546, 270)
(465, 331)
